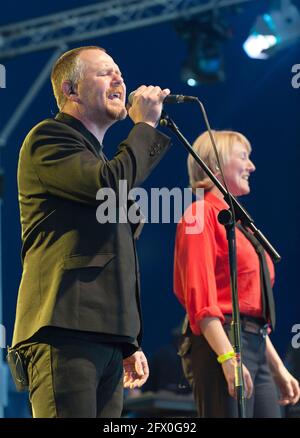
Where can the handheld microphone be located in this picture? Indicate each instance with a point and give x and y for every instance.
(171, 98)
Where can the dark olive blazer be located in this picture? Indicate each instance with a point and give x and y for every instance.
(77, 273)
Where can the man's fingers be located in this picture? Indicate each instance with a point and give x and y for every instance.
(151, 92)
(139, 368)
(128, 379)
(143, 91)
(136, 370)
(133, 382)
(164, 93)
(139, 90)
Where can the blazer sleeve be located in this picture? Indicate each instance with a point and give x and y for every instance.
(67, 168)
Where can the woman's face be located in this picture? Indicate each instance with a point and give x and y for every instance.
(237, 170)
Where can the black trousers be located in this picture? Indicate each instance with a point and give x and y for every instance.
(210, 386)
(75, 379)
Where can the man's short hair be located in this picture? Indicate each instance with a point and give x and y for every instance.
(68, 67)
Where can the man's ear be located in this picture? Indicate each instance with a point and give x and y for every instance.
(69, 91)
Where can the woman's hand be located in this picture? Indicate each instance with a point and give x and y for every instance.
(288, 386)
(229, 373)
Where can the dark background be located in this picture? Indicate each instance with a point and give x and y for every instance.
(256, 98)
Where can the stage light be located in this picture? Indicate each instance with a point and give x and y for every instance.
(273, 31)
(191, 82)
(204, 37)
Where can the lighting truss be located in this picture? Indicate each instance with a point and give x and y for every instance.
(99, 19)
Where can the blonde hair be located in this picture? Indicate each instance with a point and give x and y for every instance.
(224, 142)
(68, 67)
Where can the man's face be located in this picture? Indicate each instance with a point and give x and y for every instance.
(101, 91)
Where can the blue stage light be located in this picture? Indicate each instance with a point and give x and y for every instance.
(273, 31)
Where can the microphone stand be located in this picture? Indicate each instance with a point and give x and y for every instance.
(228, 218)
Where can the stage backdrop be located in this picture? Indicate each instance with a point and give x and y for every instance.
(256, 98)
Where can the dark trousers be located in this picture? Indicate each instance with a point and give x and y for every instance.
(210, 386)
(75, 379)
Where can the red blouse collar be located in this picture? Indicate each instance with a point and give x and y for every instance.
(219, 203)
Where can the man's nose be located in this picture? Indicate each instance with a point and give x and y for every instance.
(117, 79)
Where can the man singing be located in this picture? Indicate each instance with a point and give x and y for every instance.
(78, 321)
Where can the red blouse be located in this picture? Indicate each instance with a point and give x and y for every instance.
(201, 266)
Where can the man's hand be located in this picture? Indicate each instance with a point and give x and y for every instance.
(147, 104)
(136, 370)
